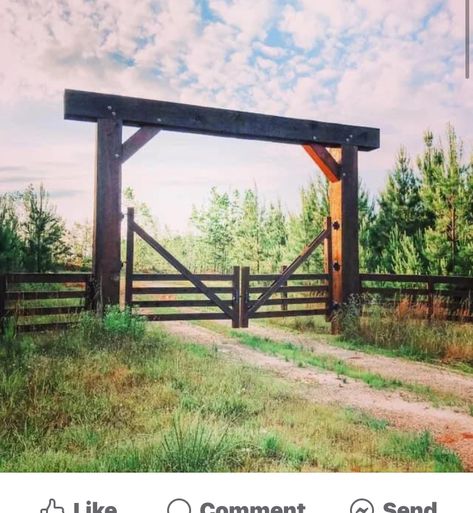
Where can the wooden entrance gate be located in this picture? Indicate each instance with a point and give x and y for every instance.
(237, 305)
(169, 296)
(317, 288)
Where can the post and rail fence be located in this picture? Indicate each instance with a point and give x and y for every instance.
(48, 301)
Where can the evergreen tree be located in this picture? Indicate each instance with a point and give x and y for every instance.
(43, 232)
(366, 220)
(400, 211)
(446, 192)
(251, 240)
(11, 245)
(304, 227)
(217, 227)
(145, 258)
(275, 235)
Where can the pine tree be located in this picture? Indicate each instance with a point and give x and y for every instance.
(250, 242)
(400, 211)
(43, 231)
(446, 192)
(11, 246)
(217, 226)
(275, 237)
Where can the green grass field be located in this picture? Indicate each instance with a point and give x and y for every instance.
(120, 396)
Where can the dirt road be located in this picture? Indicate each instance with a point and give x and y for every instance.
(402, 409)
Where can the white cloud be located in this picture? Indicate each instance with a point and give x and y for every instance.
(396, 65)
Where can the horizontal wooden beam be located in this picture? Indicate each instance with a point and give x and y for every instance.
(138, 140)
(180, 117)
(329, 166)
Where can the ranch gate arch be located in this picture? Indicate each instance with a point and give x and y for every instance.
(333, 147)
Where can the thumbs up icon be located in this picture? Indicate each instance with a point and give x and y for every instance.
(52, 508)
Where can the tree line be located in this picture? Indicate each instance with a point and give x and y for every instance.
(421, 222)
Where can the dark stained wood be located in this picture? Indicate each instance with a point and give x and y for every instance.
(89, 106)
(107, 212)
(283, 294)
(292, 288)
(178, 303)
(181, 290)
(328, 266)
(296, 301)
(272, 277)
(186, 316)
(52, 294)
(245, 296)
(279, 282)
(182, 269)
(327, 164)
(130, 250)
(236, 297)
(289, 313)
(137, 141)
(53, 310)
(179, 277)
(47, 277)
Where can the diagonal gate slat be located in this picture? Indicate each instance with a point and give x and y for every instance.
(291, 269)
(182, 269)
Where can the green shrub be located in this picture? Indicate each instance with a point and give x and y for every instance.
(116, 326)
(197, 448)
(123, 323)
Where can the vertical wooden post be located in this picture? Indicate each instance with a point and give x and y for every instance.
(236, 297)
(3, 300)
(328, 267)
(89, 303)
(430, 298)
(107, 212)
(130, 252)
(245, 296)
(284, 294)
(343, 199)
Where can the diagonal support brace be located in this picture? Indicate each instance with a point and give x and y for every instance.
(291, 269)
(322, 157)
(182, 269)
(137, 141)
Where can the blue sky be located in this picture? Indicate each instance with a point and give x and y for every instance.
(397, 65)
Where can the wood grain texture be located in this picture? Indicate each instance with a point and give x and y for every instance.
(179, 117)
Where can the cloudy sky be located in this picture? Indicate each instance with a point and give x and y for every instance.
(396, 65)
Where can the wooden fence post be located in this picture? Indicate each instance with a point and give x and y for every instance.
(244, 296)
(130, 252)
(328, 267)
(236, 297)
(3, 299)
(90, 299)
(430, 300)
(284, 294)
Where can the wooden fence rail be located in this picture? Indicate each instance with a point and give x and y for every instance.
(450, 297)
(44, 301)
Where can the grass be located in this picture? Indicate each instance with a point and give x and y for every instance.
(305, 357)
(111, 397)
(399, 331)
(403, 330)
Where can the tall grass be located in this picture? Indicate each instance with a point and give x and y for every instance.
(404, 328)
(90, 400)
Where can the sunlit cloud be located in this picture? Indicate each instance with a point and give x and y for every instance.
(394, 65)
